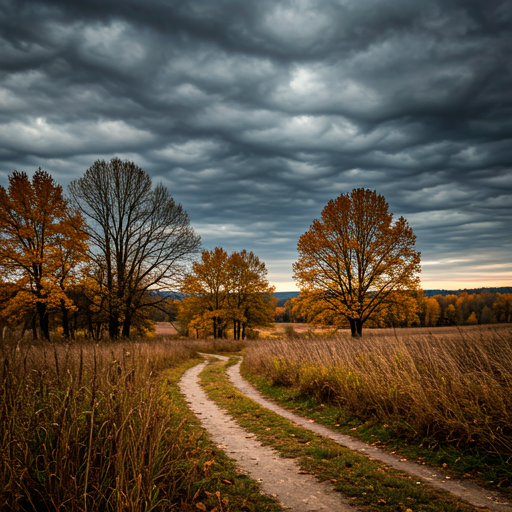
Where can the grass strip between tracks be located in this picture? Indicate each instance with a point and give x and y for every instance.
(372, 485)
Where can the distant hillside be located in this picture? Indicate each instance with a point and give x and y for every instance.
(283, 297)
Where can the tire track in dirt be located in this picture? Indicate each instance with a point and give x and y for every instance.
(470, 492)
(278, 476)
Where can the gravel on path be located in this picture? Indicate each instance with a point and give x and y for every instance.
(278, 477)
(466, 490)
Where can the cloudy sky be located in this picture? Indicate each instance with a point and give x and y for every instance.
(255, 113)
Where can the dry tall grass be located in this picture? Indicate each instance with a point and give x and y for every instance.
(455, 386)
(82, 427)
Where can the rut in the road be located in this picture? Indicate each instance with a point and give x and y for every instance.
(278, 476)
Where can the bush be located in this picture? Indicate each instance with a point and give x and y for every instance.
(251, 334)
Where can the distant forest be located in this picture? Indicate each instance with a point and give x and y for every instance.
(421, 308)
(283, 297)
(501, 289)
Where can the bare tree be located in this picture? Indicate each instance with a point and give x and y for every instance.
(141, 239)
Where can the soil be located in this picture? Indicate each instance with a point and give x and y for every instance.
(165, 329)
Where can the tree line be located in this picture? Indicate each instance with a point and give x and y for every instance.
(414, 309)
(92, 259)
(98, 258)
(104, 259)
(103, 252)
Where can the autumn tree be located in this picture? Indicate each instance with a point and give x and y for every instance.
(250, 294)
(42, 243)
(502, 307)
(281, 315)
(487, 316)
(356, 256)
(400, 309)
(191, 317)
(208, 288)
(141, 238)
(472, 319)
(8, 291)
(432, 312)
(226, 288)
(450, 314)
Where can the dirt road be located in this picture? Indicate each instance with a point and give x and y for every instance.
(281, 478)
(278, 477)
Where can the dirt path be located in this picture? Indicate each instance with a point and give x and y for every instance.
(466, 490)
(278, 476)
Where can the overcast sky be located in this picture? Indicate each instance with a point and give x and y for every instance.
(255, 113)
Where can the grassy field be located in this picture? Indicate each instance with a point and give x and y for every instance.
(445, 391)
(102, 427)
(88, 427)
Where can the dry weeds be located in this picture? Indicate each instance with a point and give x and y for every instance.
(83, 427)
(455, 386)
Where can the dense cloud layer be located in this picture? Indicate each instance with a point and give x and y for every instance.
(255, 114)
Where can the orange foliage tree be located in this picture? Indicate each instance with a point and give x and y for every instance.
(356, 256)
(223, 288)
(250, 298)
(399, 309)
(43, 241)
(432, 312)
(503, 307)
(207, 288)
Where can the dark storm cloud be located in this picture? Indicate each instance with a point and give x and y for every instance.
(255, 114)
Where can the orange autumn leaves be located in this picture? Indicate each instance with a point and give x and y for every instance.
(227, 291)
(42, 244)
(355, 257)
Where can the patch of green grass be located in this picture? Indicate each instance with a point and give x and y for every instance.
(488, 469)
(210, 479)
(370, 484)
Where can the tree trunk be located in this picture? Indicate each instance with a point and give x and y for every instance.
(113, 326)
(359, 327)
(234, 329)
(243, 331)
(215, 328)
(34, 328)
(356, 327)
(44, 323)
(127, 325)
(65, 319)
